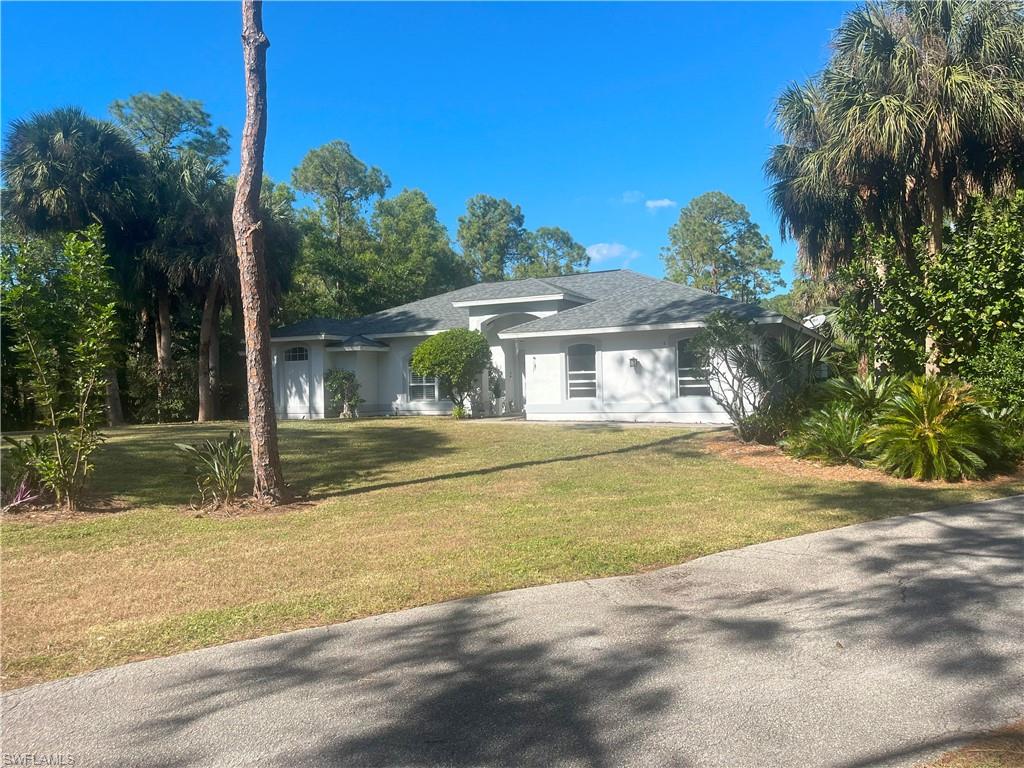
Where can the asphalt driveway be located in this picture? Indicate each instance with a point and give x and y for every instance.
(874, 645)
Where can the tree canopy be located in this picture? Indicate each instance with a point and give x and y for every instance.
(715, 246)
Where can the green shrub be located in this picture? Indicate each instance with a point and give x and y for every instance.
(998, 371)
(22, 483)
(457, 358)
(935, 428)
(217, 468)
(150, 403)
(760, 381)
(343, 393)
(60, 304)
(835, 434)
(866, 395)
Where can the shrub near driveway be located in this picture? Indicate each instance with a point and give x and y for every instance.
(403, 512)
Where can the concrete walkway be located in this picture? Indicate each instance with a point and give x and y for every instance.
(875, 645)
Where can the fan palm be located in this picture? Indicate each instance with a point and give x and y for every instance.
(921, 105)
(64, 170)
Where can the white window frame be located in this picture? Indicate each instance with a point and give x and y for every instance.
(687, 383)
(592, 377)
(290, 356)
(425, 383)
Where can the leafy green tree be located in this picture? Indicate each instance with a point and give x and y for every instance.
(492, 236)
(63, 171)
(919, 106)
(972, 295)
(61, 307)
(457, 357)
(715, 246)
(166, 122)
(185, 251)
(412, 256)
(331, 277)
(340, 182)
(550, 251)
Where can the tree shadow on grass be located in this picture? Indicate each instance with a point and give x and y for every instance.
(908, 628)
(361, 478)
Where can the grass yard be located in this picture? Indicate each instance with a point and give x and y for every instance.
(400, 513)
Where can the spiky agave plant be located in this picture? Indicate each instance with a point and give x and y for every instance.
(935, 428)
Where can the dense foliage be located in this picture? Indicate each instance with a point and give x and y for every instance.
(759, 379)
(928, 428)
(59, 303)
(972, 297)
(457, 357)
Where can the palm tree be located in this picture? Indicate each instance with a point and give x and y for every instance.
(64, 170)
(921, 105)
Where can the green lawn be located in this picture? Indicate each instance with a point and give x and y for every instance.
(401, 513)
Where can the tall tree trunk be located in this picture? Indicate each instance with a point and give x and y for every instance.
(207, 330)
(163, 331)
(268, 483)
(163, 348)
(115, 413)
(215, 356)
(936, 206)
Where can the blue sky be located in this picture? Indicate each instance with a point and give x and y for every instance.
(599, 118)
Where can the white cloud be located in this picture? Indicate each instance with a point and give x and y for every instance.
(631, 196)
(662, 202)
(601, 253)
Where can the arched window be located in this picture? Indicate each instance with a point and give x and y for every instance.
(581, 363)
(690, 376)
(296, 354)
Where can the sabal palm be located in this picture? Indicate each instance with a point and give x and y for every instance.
(922, 104)
(65, 170)
(936, 89)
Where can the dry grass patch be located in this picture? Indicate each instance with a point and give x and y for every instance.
(401, 513)
(1002, 749)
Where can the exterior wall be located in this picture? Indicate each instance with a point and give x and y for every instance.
(624, 393)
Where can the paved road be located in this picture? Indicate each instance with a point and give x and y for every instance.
(874, 645)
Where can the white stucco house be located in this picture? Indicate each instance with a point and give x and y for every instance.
(594, 346)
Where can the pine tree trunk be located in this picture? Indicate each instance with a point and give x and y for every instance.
(268, 484)
(207, 406)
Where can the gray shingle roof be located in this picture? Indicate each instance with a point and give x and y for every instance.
(618, 297)
(657, 303)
